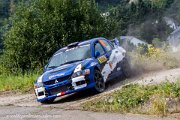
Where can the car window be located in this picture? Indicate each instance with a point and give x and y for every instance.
(70, 55)
(99, 48)
(111, 44)
(106, 45)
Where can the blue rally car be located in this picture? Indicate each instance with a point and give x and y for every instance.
(79, 66)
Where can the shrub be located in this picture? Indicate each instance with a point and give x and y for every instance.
(40, 27)
(137, 99)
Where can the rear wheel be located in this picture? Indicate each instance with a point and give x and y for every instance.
(126, 68)
(100, 84)
(49, 101)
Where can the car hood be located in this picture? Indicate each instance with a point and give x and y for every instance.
(63, 70)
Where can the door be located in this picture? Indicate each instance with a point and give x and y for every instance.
(112, 68)
(105, 50)
(102, 58)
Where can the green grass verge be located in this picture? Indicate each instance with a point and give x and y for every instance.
(18, 83)
(152, 99)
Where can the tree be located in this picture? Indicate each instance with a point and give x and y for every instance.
(6, 8)
(40, 27)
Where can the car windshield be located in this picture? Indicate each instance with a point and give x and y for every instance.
(70, 55)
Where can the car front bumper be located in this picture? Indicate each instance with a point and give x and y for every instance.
(77, 84)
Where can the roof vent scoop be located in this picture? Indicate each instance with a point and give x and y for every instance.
(73, 45)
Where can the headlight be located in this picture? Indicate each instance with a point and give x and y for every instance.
(39, 82)
(81, 73)
(38, 85)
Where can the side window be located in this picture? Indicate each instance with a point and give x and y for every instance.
(99, 48)
(111, 44)
(105, 44)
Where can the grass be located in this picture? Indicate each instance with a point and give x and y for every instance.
(19, 83)
(138, 99)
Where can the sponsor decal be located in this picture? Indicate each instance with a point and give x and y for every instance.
(105, 45)
(110, 64)
(102, 59)
(78, 68)
(118, 69)
(102, 43)
(58, 75)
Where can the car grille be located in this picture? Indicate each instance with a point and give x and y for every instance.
(59, 89)
(59, 80)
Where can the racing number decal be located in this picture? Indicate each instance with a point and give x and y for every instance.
(102, 59)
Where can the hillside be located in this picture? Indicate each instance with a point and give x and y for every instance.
(144, 16)
(139, 17)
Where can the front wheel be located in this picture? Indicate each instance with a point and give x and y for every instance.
(100, 84)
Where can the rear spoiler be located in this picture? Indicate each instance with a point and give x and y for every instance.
(115, 41)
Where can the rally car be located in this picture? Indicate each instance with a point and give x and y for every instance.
(79, 66)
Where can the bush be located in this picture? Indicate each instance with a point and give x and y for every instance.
(40, 27)
(137, 99)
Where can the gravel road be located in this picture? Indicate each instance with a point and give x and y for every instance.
(18, 106)
(36, 113)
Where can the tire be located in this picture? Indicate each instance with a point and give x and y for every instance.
(49, 101)
(100, 84)
(126, 68)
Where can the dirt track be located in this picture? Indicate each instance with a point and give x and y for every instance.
(70, 104)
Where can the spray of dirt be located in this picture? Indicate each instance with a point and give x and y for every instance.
(143, 63)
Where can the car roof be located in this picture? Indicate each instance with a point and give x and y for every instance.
(80, 43)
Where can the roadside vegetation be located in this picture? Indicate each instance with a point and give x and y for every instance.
(161, 99)
(17, 83)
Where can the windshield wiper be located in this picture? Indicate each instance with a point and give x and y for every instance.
(71, 61)
(53, 67)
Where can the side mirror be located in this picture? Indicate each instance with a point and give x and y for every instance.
(45, 67)
(116, 41)
(97, 54)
